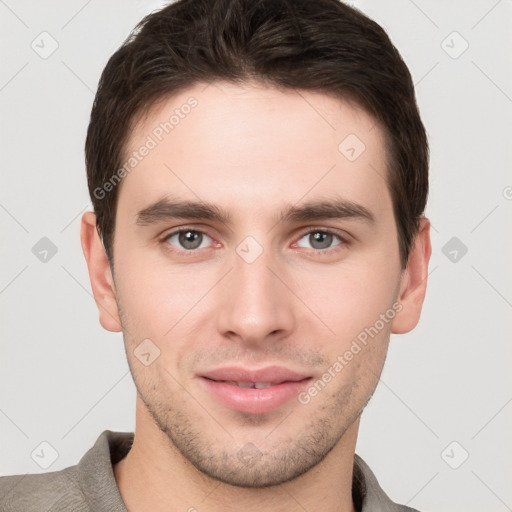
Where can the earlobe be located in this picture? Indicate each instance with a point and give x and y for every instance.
(100, 273)
(413, 285)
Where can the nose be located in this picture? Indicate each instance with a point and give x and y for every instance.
(254, 303)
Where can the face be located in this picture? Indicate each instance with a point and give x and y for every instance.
(288, 258)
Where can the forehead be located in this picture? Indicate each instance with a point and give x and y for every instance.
(236, 142)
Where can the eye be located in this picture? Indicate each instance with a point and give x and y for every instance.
(188, 239)
(320, 240)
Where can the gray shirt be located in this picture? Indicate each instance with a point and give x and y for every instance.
(90, 486)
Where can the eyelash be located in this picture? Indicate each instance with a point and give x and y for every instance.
(193, 252)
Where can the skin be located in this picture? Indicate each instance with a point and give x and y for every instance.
(252, 151)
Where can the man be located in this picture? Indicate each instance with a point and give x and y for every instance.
(259, 174)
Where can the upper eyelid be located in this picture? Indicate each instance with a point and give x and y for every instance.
(175, 231)
(314, 229)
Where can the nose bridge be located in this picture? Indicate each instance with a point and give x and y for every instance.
(255, 302)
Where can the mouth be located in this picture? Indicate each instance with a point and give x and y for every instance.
(253, 392)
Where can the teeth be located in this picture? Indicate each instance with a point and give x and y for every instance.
(245, 384)
(257, 385)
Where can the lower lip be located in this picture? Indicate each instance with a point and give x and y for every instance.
(252, 400)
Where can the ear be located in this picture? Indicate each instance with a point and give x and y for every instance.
(413, 285)
(100, 274)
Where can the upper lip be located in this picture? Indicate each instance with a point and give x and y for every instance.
(270, 374)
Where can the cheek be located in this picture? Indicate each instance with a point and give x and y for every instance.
(351, 297)
(158, 301)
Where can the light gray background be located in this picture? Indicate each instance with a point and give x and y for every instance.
(64, 379)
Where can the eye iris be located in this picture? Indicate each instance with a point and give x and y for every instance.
(190, 239)
(324, 239)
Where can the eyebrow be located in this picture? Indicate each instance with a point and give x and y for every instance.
(323, 210)
(167, 209)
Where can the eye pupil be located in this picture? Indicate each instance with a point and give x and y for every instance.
(190, 239)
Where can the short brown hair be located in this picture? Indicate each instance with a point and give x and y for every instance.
(318, 45)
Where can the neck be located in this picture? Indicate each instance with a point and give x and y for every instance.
(155, 476)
